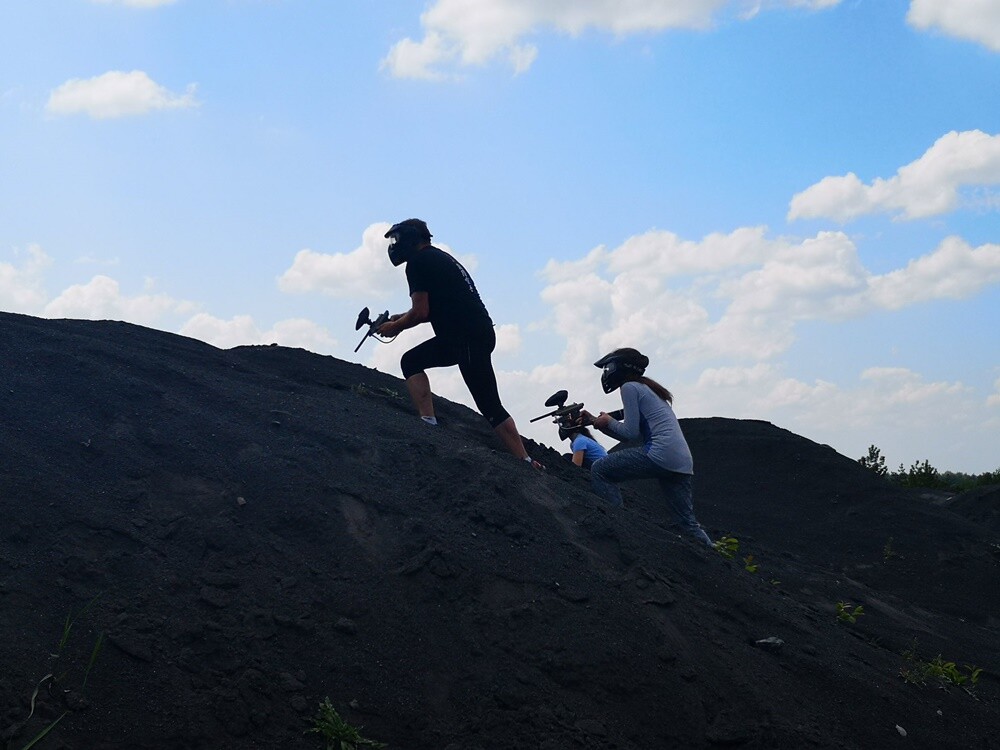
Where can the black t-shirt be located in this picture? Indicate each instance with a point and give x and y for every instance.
(456, 309)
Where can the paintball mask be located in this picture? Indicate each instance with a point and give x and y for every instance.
(404, 238)
(619, 365)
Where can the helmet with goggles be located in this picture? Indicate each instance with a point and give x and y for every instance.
(404, 238)
(619, 366)
(567, 428)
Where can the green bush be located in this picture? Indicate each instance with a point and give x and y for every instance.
(874, 461)
(338, 734)
(919, 475)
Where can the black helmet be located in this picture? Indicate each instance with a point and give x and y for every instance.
(618, 365)
(404, 238)
(567, 429)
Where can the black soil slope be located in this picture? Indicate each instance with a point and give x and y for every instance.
(252, 530)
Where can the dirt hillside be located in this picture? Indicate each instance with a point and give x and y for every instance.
(243, 533)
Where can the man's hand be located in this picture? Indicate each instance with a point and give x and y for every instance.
(390, 328)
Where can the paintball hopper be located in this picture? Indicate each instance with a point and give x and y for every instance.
(563, 414)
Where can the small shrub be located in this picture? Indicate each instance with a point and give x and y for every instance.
(919, 475)
(940, 670)
(338, 734)
(845, 613)
(365, 390)
(749, 565)
(727, 546)
(874, 461)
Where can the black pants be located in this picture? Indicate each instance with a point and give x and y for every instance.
(475, 363)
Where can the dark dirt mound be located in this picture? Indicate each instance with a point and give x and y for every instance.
(252, 530)
(980, 505)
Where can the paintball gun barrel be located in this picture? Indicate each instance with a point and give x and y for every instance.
(568, 415)
(373, 325)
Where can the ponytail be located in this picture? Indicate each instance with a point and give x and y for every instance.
(658, 389)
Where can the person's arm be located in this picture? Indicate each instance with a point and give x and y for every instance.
(578, 457)
(419, 312)
(628, 428)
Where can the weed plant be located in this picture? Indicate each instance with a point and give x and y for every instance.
(59, 679)
(727, 546)
(937, 670)
(338, 734)
(845, 612)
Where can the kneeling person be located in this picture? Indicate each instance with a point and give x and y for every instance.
(664, 455)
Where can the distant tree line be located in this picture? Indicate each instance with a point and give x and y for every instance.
(922, 474)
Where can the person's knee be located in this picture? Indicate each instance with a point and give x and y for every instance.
(410, 365)
(496, 416)
(597, 468)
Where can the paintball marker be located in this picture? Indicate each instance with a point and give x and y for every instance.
(562, 413)
(568, 416)
(373, 325)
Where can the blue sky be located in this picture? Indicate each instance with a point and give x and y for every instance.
(790, 205)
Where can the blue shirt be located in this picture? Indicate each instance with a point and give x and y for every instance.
(592, 450)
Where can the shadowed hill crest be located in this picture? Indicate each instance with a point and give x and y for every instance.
(254, 529)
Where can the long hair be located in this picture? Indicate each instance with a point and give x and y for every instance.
(635, 363)
(574, 429)
(658, 389)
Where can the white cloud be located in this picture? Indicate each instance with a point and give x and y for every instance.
(894, 407)
(899, 385)
(241, 330)
(364, 273)
(116, 94)
(21, 287)
(459, 33)
(994, 398)
(975, 20)
(953, 271)
(748, 296)
(928, 186)
(101, 299)
(508, 339)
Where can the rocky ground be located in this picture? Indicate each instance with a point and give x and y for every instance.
(243, 533)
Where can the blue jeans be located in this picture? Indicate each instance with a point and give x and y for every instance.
(633, 463)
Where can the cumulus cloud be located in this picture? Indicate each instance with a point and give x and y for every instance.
(241, 330)
(975, 20)
(748, 295)
(363, 273)
(102, 299)
(116, 94)
(954, 270)
(900, 385)
(929, 186)
(894, 407)
(717, 316)
(21, 287)
(458, 33)
(508, 339)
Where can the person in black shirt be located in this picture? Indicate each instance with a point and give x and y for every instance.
(443, 294)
